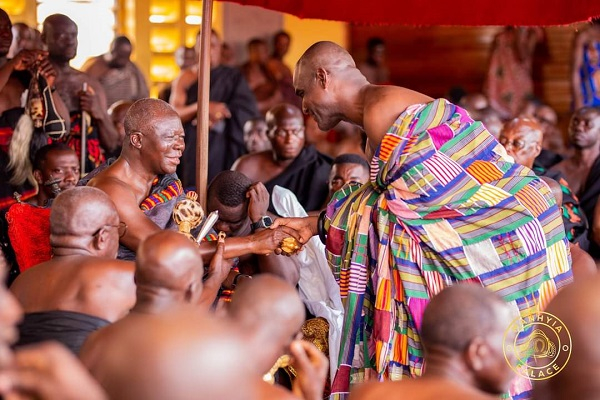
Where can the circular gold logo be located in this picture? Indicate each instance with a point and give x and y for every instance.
(538, 346)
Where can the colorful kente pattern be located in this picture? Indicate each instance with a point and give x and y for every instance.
(443, 205)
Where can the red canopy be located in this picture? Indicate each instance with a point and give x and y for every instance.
(444, 12)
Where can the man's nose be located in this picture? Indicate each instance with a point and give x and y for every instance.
(70, 175)
(180, 143)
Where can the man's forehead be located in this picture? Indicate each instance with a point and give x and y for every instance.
(587, 114)
(289, 120)
(62, 155)
(63, 26)
(349, 168)
(4, 19)
(521, 129)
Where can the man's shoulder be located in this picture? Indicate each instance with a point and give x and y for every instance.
(94, 64)
(251, 160)
(108, 266)
(79, 77)
(110, 183)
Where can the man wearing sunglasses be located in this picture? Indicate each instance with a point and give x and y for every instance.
(83, 287)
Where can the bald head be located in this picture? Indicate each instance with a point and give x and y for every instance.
(169, 261)
(80, 212)
(578, 307)
(530, 128)
(482, 312)
(329, 83)
(555, 188)
(268, 300)
(522, 138)
(179, 355)
(142, 115)
(60, 36)
(276, 115)
(55, 19)
(270, 311)
(326, 55)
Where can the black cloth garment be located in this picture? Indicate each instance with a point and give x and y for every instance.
(307, 177)
(574, 220)
(67, 327)
(587, 199)
(226, 138)
(547, 159)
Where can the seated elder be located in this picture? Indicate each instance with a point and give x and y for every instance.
(143, 183)
(82, 288)
(464, 356)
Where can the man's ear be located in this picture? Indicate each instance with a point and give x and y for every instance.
(135, 139)
(37, 175)
(100, 240)
(192, 294)
(476, 354)
(322, 78)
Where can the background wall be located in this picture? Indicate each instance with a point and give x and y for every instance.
(433, 59)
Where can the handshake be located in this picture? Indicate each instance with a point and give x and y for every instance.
(287, 235)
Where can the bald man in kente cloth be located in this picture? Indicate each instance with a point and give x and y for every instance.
(444, 204)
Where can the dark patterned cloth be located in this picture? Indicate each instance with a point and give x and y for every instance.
(574, 219)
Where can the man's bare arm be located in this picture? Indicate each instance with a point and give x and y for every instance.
(178, 97)
(266, 241)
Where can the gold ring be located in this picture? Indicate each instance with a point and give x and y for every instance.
(218, 115)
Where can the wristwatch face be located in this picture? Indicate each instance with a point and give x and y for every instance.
(263, 222)
(267, 221)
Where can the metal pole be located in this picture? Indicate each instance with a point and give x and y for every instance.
(203, 100)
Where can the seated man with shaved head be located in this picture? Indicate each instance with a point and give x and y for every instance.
(168, 277)
(464, 355)
(289, 164)
(271, 314)
(444, 204)
(185, 354)
(143, 183)
(82, 288)
(578, 308)
(44, 371)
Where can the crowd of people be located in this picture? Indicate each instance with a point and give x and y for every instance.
(355, 234)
